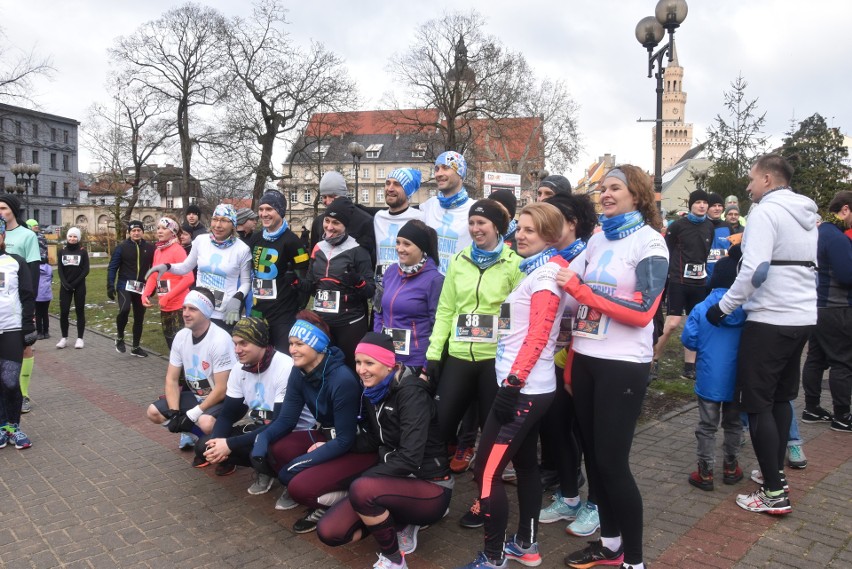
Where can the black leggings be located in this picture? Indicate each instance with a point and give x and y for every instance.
(42, 310)
(608, 397)
(10, 384)
(408, 500)
(126, 301)
(463, 382)
(558, 431)
(79, 297)
(347, 336)
(516, 441)
(770, 447)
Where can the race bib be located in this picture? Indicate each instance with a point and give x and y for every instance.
(566, 327)
(327, 301)
(71, 260)
(136, 287)
(590, 323)
(199, 387)
(716, 254)
(504, 321)
(164, 287)
(264, 289)
(380, 271)
(694, 271)
(401, 339)
(475, 328)
(263, 416)
(214, 284)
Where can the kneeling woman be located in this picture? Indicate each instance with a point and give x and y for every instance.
(315, 462)
(525, 370)
(412, 483)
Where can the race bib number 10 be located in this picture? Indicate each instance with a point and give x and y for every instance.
(590, 323)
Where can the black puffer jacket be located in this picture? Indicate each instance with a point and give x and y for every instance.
(360, 227)
(404, 428)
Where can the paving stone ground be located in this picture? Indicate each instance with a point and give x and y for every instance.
(104, 488)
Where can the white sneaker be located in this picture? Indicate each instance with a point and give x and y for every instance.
(62, 343)
(407, 539)
(79, 344)
(331, 498)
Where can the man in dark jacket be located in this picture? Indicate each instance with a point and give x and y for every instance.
(332, 188)
(126, 274)
(193, 224)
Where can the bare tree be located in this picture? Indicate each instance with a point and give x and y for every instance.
(280, 87)
(123, 135)
(180, 58)
(18, 70)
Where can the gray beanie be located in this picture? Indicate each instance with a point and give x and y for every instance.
(332, 184)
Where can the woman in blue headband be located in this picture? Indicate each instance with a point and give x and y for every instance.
(311, 464)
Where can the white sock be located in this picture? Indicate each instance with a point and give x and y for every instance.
(611, 543)
(573, 502)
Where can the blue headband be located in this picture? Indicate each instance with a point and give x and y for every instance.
(310, 335)
(408, 178)
(454, 160)
(226, 210)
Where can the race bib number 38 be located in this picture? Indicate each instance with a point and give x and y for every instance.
(476, 328)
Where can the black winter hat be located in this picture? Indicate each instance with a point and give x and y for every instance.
(193, 208)
(341, 210)
(559, 184)
(421, 235)
(14, 205)
(713, 198)
(276, 201)
(493, 211)
(508, 199)
(698, 195)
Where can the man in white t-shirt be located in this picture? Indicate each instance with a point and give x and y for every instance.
(400, 185)
(447, 213)
(258, 386)
(205, 353)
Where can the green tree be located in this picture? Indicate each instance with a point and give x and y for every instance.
(820, 159)
(735, 142)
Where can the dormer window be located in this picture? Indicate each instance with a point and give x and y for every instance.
(374, 150)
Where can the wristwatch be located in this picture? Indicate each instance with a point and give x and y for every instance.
(514, 381)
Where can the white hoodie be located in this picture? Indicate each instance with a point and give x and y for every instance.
(781, 228)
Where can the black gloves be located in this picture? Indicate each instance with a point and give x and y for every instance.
(351, 279)
(715, 315)
(505, 404)
(30, 338)
(180, 423)
(111, 293)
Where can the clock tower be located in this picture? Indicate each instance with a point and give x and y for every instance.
(677, 134)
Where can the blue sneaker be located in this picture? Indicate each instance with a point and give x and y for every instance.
(529, 556)
(559, 510)
(4, 436)
(17, 436)
(482, 562)
(587, 522)
(186, 441)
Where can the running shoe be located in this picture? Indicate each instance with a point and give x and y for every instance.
(79, 344)
(138, 352)
(593, 555)
(26, 405)
(62, 343)
(757, 476)
(262, 484)
(587, 522)
(17, 436)
(309, 523)
(462, 459)
(528, 556)
(473, 518)
(688, 373)
(407, 538)
(4, 437)
(559, 510)
(509, 473)
(187, 441)
(385, 563)
(119, 345)
(482, 562)
(816, 415)
(759, 502)
(796, 457)
(285, 502)
(331, 498)
(842, 424)
(225, 469)
(199, 462)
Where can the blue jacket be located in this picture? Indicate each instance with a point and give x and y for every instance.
(834, 276)
(716, 362)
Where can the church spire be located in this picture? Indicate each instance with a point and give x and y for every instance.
(674, 61)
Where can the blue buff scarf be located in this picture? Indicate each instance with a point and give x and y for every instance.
(530, 264)
(273, 236)
(622, 225)
(696, 219)
(484, 259)
(513, 226)
(310, 335)
(378, 392)
(572, 250)
(453, 201)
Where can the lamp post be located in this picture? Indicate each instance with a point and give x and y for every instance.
(668, 16)
(357, 151)
(24, 175)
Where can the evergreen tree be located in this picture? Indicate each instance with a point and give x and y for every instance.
(820, 160)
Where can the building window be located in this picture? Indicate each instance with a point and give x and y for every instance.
(65, 187)
(2, 124)
(294, 197)
(53, 160)
(35, 156)
(374, 150)
(170, 203)
(365, 196)
(53, 188)
(65, 136)
(35, 214)
(2, 182)
(419, 150)
(19, 155)
(18, 128)
(306, 197)
(52, 135)
(2, 154)
(380, 195)
(365, 173)
(53, 217)
(35, 187)
(380, 173)
(350, 193)
(35, 131)
(320, 150)
(66, 162)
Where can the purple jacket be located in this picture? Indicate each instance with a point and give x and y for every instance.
(409, 303)
(45, 282)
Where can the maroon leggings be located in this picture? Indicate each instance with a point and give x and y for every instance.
(409, 501)
(310, 484)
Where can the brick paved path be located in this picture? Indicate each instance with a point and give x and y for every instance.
(102, 487)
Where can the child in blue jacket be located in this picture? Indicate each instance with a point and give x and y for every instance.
(715, 376)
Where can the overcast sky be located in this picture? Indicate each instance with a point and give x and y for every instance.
(795, 55)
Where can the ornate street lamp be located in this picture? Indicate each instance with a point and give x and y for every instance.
(668, 16)
(357, 151)
(24, 175)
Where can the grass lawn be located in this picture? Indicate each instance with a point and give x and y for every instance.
(101, 313)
